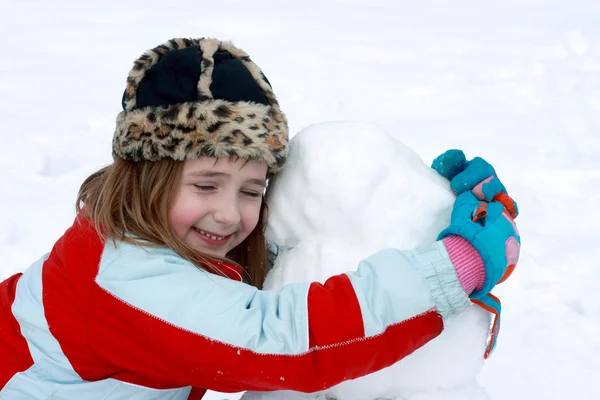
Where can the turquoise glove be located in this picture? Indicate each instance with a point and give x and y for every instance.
(491, 231)
(476, 175)
(450, 163)
(479, 177)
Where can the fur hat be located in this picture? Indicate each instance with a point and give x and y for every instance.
(199, 97)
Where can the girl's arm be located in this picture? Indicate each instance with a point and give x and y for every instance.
(157, 315)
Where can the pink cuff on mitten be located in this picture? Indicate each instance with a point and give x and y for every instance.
(467, 262)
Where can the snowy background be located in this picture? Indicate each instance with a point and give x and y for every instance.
(516, 81)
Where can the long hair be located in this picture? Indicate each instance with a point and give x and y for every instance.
(130, 202)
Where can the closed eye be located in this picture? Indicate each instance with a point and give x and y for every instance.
(205, 188)
(251, 194)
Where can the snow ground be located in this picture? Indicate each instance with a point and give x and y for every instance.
(517, 82)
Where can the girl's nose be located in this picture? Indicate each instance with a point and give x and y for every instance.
(227, 213)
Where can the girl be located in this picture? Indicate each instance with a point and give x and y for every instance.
(144, 296)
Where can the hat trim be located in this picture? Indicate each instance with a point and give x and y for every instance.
(215, 128)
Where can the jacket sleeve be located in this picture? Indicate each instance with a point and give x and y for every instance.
(157, 315)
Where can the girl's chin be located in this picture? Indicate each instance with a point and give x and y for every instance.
(210, 252)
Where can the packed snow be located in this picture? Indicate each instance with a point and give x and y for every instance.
(349, 190)
(516, 82)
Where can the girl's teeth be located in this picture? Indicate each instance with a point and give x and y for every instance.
(211, 236)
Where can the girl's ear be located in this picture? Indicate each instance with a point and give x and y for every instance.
(264, 213)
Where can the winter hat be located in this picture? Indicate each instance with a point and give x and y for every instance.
(199, 97)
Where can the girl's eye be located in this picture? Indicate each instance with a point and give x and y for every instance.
(205, 188)
(251, 194)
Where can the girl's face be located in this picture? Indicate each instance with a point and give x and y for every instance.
(218, 203)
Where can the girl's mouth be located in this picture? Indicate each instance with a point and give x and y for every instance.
(211, 239)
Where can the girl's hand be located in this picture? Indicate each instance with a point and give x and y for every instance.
(489, 228)
(476, 175)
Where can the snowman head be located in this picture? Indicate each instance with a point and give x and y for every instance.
(354, 181)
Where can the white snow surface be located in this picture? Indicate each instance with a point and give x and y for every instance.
(514, 81)
(349, 190)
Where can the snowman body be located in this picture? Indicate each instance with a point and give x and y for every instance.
(349, 190)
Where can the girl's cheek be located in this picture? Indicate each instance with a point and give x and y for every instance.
(253, 215)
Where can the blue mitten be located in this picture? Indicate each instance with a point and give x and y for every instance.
(491, 231)
(450, 163)
(476, 175)
(479, 177)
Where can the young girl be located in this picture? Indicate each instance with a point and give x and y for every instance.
(154, 292)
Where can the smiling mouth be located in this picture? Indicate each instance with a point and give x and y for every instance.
(211, 236)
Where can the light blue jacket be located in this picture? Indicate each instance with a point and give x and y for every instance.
(95, 321)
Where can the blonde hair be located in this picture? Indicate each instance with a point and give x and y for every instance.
(130, 201)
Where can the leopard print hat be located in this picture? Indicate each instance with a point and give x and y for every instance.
(199, 97)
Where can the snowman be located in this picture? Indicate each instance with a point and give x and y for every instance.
(348, 190)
